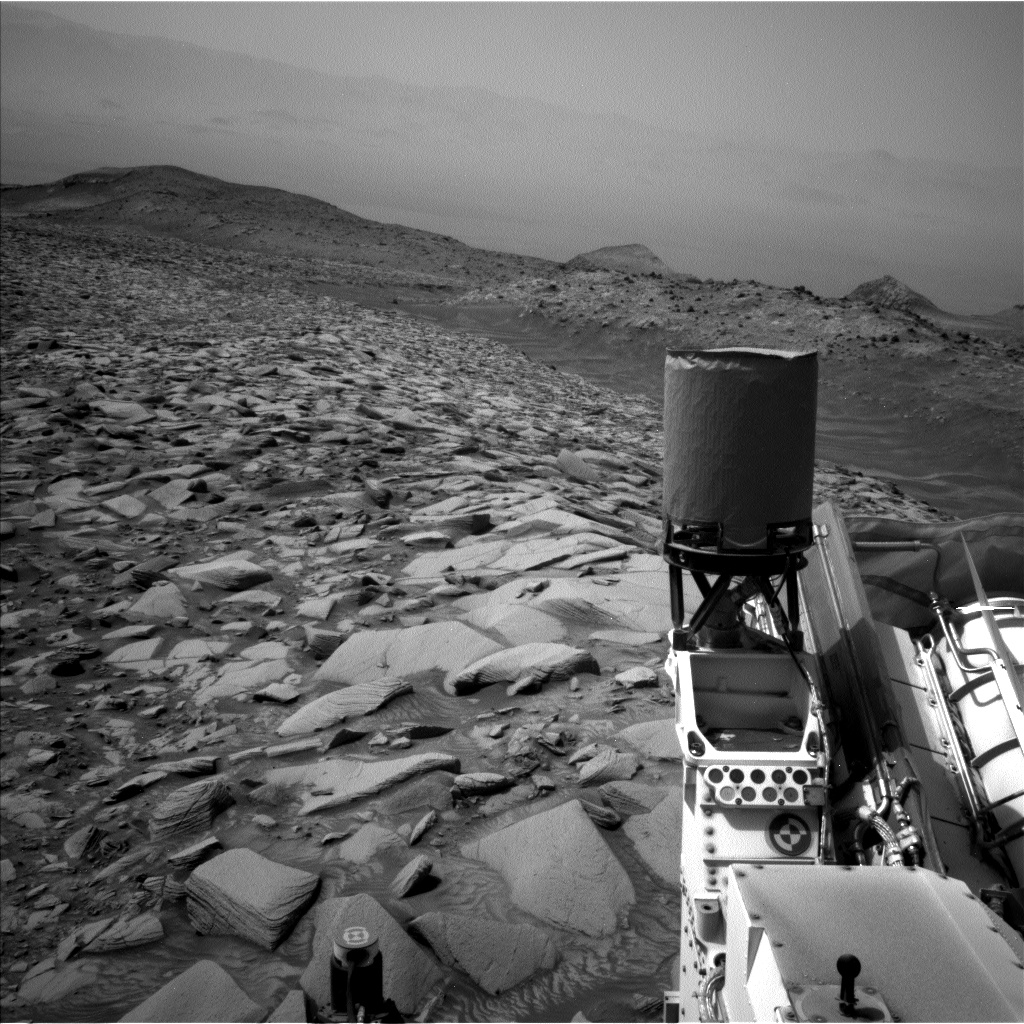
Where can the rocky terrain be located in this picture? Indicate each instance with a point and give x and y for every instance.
(315, 613)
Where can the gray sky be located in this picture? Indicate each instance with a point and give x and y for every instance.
(937, 80)
(819, 144)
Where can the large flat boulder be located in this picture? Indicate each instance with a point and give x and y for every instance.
(241, 893)
(658, 834)
(347, 702)
(205, 992)
(410, 974)
(436, 646)
(344, 780)
(517, 624)
(559, 868)
(537, 662)
(495, 954)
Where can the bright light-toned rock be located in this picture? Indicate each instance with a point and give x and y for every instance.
(538, 662)
(346, 702)
(344, 780)
(444, 646)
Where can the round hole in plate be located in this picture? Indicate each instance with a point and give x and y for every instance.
(736, 775)
(715, 775)
(757, 776)
(799, 776)
(769, 793)
(726, 793)
(791, 794)
(778, 776)
(748, 793)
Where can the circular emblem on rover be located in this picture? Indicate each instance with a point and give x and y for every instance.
(355, 937)
(789, 835)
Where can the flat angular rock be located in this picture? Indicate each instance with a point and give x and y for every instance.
(192, 855)
(189, 808)
(277, 693)
(140, 651)
(125, 505)
(241, 893)
(409, 880)
(517, 624)
(410, 974)
(204, 764)
(438, 646)
(205, 992)
(243, 677)
(232, 572)
(537, 662)
(255, 598)
(576, 468)
(637, 678)
(657, 836)
(559, 869)
(339, 782)
(428, 821)
(367, 842)
(497, 955)
(347, 702)
(656, 740)
(608, 765)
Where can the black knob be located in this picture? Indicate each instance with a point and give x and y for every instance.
(848, 967)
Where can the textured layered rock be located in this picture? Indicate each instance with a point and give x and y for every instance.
(559, 869)
(189, 808)
(608, 765)
(339, 782)
(496, 954)
(536, 663)
(347, 702)
(230, 572)
(242, 893)
(205, 992)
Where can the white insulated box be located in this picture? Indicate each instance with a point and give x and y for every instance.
(739, 439)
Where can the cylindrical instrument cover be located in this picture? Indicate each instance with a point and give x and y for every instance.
(739, 439)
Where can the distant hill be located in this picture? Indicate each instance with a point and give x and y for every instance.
(197, 207)
(889, 293)
(627, 259)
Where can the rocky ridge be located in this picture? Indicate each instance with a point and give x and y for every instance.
(248, 537)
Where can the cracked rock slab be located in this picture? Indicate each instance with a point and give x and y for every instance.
(559, 869)
(496, 954)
